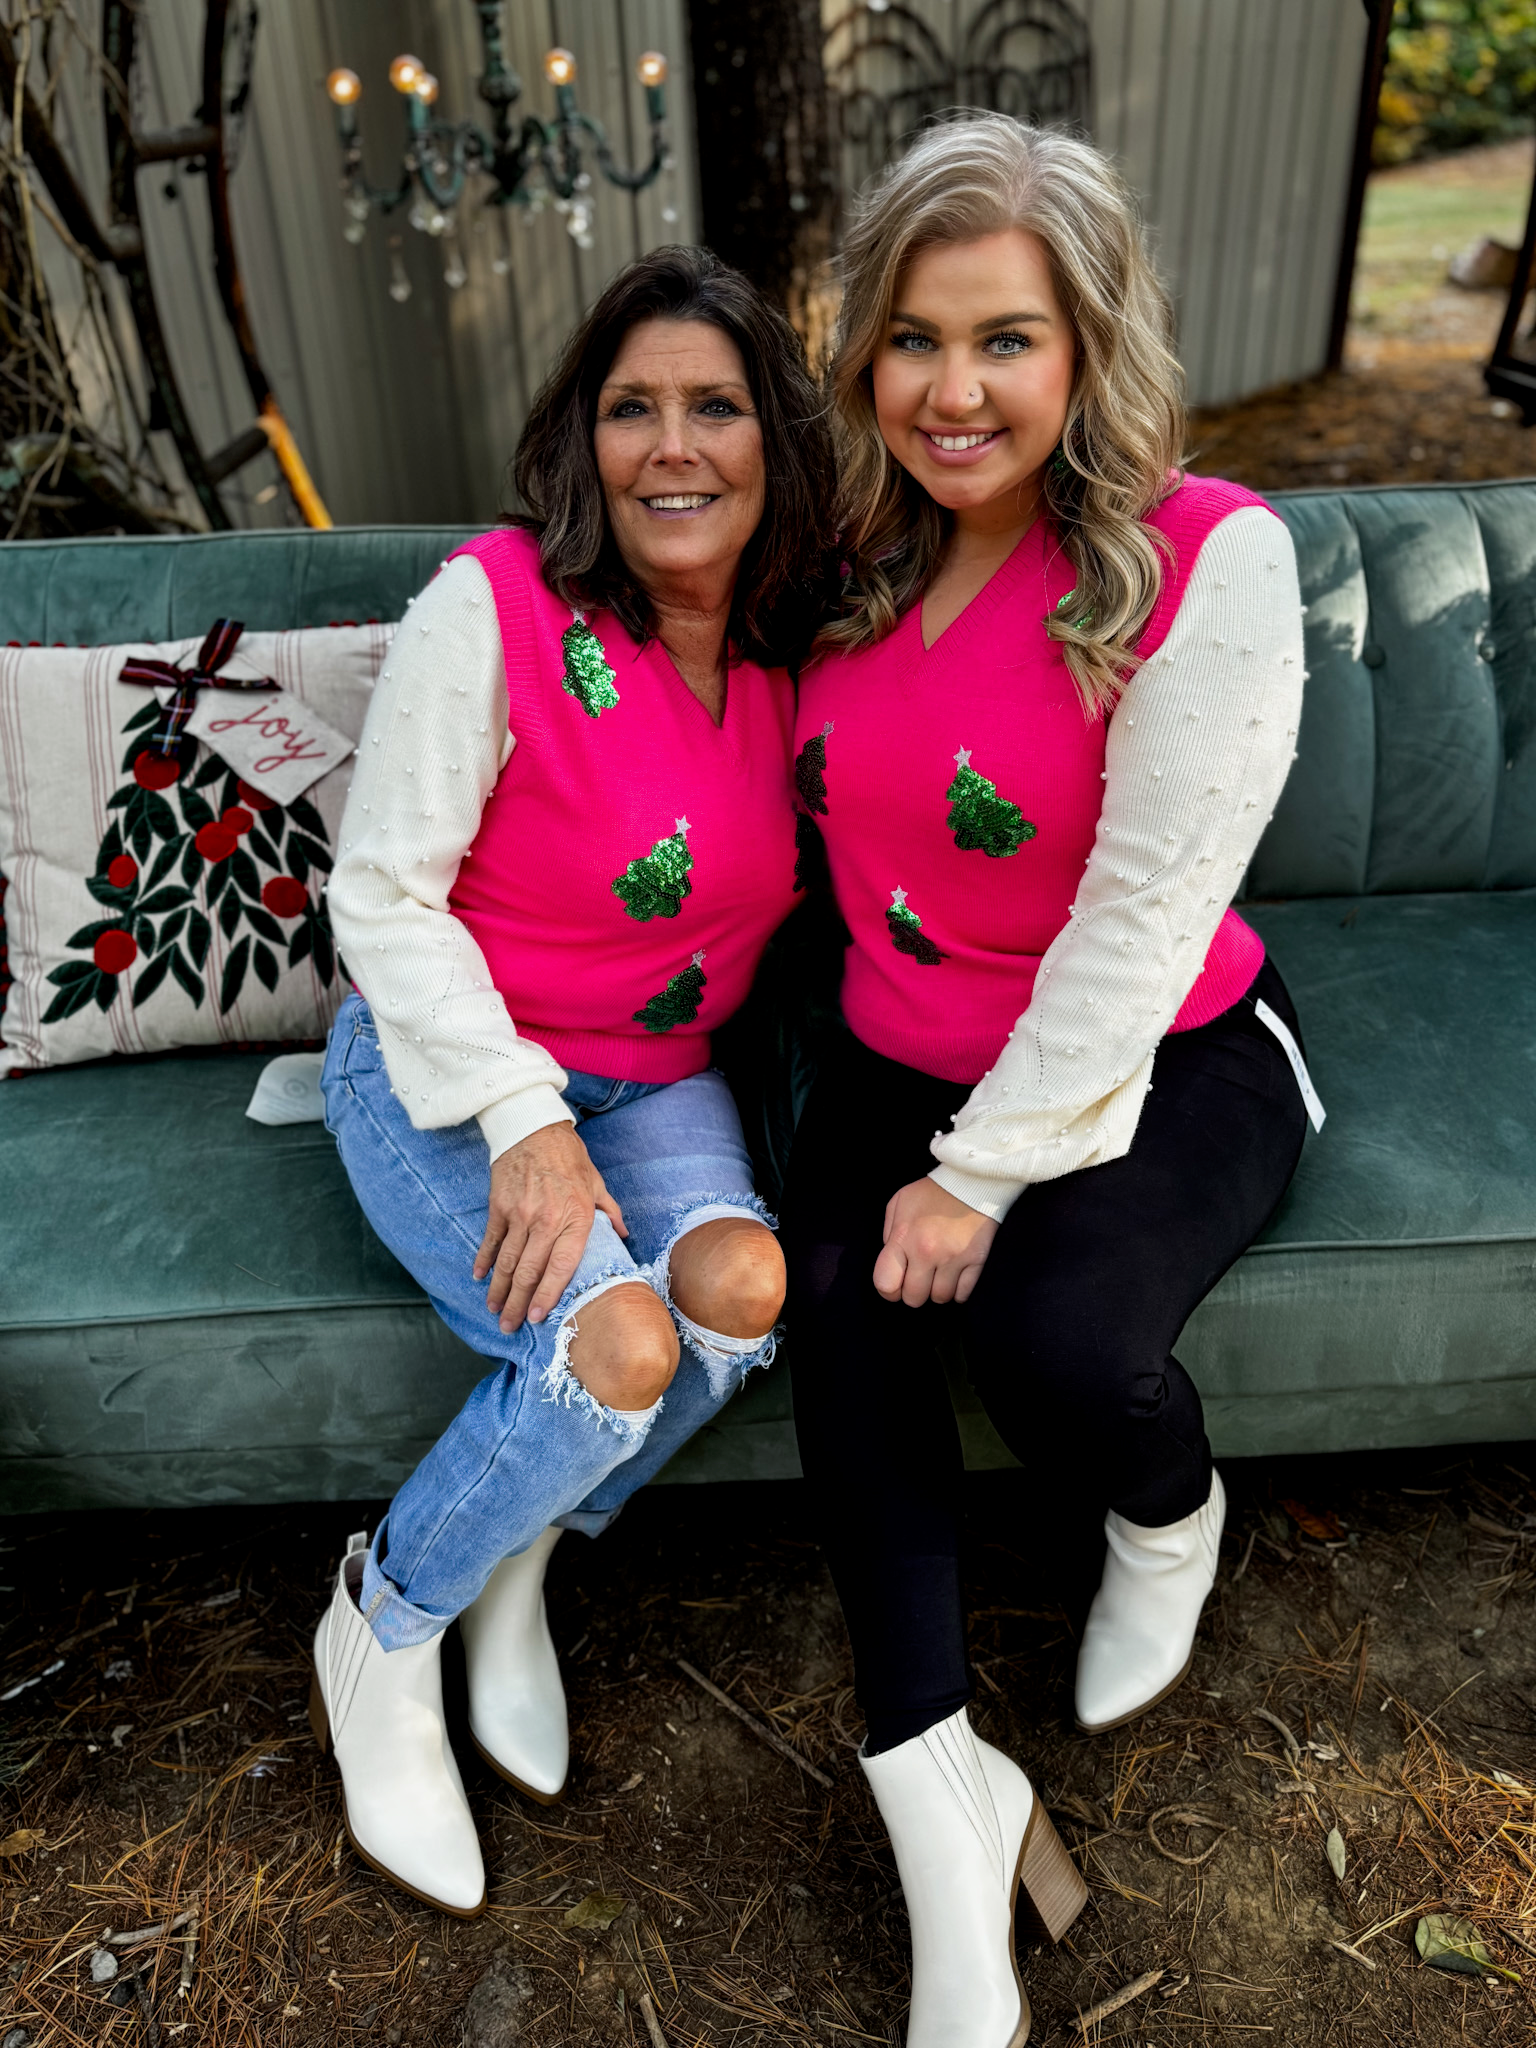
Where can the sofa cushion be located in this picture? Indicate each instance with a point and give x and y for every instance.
(197, 1310)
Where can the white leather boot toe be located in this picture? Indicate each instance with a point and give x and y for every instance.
(1140, 1637)
(516, 1700)
(382, 1713)
(969, 1834)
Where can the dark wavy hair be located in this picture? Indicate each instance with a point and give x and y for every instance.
(780, 585)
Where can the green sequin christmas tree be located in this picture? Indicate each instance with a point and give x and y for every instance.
(656, 883)
(811, 772)
(587, 678)
(980, 820)
(678, 1002)
(907, 934)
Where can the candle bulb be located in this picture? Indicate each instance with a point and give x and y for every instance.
(652, 74)
(404, 72)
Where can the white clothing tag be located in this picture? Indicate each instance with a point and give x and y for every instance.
(288, 1090)
(271, 738)
(1292, 1051)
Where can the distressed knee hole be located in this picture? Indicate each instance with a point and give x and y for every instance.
(624, 1349)
(728, 1276)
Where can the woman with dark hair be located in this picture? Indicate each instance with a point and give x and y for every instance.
(569, 838)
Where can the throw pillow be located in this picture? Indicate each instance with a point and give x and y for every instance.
(157, 897)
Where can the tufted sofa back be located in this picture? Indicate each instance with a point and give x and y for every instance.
(1417, 753)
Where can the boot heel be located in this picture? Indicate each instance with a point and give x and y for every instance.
(1051, 1889)
(319, 1722)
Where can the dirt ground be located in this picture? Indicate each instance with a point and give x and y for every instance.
(1409, 405)
(1373, 1676)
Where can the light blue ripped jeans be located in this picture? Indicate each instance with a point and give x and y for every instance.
(531, 1446)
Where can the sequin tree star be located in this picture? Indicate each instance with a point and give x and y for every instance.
(656, 883)
(587, 678)
(907, 934)
(678, 1002)
(980, 820)
(811, 771)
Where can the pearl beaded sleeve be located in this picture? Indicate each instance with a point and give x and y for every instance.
(433, 745)
(1198, 750)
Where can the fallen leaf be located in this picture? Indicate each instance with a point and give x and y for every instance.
(597, 1909)
(629, 1784)
(1337, 1857)
(1322, 1528)
(23, 1840)
(1447, 1942)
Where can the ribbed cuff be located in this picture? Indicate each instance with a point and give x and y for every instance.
(515, 1117)
(993, 1198)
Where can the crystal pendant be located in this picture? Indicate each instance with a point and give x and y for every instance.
(399, 282)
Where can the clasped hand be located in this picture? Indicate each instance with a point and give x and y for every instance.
(544, 1194)
(935, 1246)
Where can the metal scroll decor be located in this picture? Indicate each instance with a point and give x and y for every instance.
(893, 67)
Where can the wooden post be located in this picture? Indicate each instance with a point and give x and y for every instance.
(1380, 12)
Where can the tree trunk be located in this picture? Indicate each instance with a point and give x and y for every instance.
(765, 149)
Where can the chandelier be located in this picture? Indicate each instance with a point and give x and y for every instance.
(532, 164)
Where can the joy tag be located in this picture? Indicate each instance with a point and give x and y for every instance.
(271, 738)
(1292, 1051)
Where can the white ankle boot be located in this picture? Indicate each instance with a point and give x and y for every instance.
(969, 1833)
(516, 1701)
(1140, 1637)
(382, 1713)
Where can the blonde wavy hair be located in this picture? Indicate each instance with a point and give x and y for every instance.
(974, 175)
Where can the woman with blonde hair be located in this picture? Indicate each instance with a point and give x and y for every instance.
(1045, 731)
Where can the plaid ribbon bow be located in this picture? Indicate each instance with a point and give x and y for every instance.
(214, 652)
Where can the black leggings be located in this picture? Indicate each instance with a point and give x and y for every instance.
(1068, 1336)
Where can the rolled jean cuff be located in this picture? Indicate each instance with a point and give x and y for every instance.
(396, 1624)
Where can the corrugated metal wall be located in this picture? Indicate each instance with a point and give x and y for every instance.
(1234, 120)
(403, 411)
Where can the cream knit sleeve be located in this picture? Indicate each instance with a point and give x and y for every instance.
(433, 745)
(1198, 750)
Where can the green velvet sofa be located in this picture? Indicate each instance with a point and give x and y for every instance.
(192, 1308)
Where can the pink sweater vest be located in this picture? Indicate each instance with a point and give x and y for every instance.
(633, 859)
(995, 684)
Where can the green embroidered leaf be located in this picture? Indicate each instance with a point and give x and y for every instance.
(103, 891)
(300, 943)
(88, 934)
(195, 811)
(262, 847)
(75, 997)
(170, 930)
(71, 972)
(325, 952)
(122, 797)
(162, 819)
(165, 860)
(140, 838)
(106, 992)
(234, 974)
(298, 866)
(303, 813)
(210, 771)
(265, 966)
(229, 913)
(163, 900)
(151, 978)
(318, 855)
(243, 868)
(261, 921)
(191, 863)
(218, 882)
(199, 933)
(143, 934)
(110, 848)
(146, 715)
(190, 982)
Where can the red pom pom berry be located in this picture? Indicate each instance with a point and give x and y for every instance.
(156, 771)
(123, 872)
(284, 896)
(114, 951)
(236, 820)
(216, 842)
(253, 799)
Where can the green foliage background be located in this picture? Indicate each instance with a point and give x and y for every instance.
(1459, 72)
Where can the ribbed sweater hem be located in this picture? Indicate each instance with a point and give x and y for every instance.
(664, 1056)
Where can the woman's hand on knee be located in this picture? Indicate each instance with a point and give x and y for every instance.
(544, 1194)
(935, 1246)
